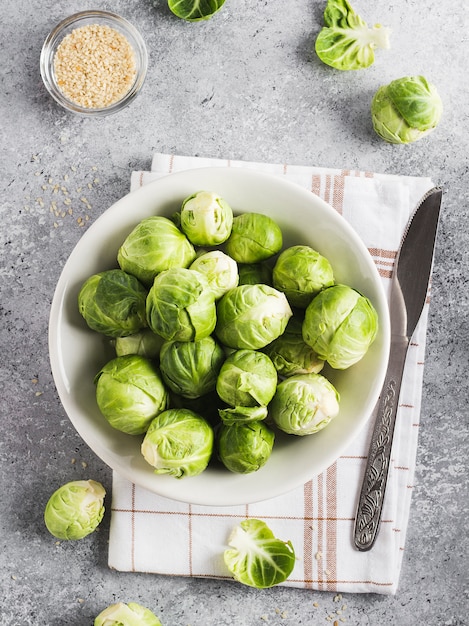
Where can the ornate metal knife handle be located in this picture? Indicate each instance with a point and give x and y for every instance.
(371, 498)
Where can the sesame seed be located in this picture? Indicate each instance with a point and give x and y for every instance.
(95, 66)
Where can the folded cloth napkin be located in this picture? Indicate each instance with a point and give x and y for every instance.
(153, 534)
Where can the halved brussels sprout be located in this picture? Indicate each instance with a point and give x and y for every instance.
(301, 272)
(206, 218)
(190, 368)
(245, 447)
(75, 509)
(304, 404)
(256, 557)
(113, 303)
(131, 614)
(251, 316)
(195, 10)
(181, 305)
(220, 270)
(178, 443)
(130, 393)
(247, 378)
(154, 245)
(254, 238)
(340, 325)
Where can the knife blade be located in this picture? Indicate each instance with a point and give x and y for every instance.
(409, 289)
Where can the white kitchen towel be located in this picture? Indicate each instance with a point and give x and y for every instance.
(153, 534)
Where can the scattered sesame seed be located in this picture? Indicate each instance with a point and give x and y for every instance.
(38, 393)
(73, 461)
(318, 555)
(315, 604)
(34, 381)
(13, 577)
(84, 464)
(337, 598)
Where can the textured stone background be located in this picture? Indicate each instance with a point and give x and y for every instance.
(245, 85)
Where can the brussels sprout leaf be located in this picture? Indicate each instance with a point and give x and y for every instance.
(195, 10)
(257, 558)
(346, 42)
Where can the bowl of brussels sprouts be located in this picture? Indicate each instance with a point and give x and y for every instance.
(219, 336)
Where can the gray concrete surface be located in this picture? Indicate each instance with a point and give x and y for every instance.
(244, 85)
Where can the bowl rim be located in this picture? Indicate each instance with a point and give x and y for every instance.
(184, 492)
(56, 35)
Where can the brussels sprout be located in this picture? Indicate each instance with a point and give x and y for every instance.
(244, 447)
(340, 325)
(195, 10)
(190, 368)
(304, 404)
(290, 354)
(178, 442)
(154, 245)
(145, 343)
(220, 270)
(254, 274)
(254, 238)
(181, 306)
(75, 510)
(243, 414)
(251, 316)
(206, 219)
(346, 42)
(257, 558)
(407, 109)
(131, 614)
(301, 272)
(247, 378)
(113, 303)
(130, 393)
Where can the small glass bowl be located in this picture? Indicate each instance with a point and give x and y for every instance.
(87, 18)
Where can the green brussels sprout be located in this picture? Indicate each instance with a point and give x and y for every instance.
(113, 303)
(245, 447)
(178, 442)
(340, 325)
(130, 393)
(251, 316)
(195, 10)
(190, 368)
(154, 245)
(256, 557)
(145, 343)
(243, 414)
(206, 219)
(75, 510)
(247, 378)
(290, 354)
(407, 109)
(301, 272)
(131, 614)
(181, 305)
(254, 238)
(304, 404)
(254, 274)
(220, 270)
(346, 42)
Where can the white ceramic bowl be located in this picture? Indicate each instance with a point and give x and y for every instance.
(78, 353)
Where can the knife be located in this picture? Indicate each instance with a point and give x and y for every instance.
(408, 294)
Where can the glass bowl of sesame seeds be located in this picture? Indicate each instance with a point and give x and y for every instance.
(94, 63)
